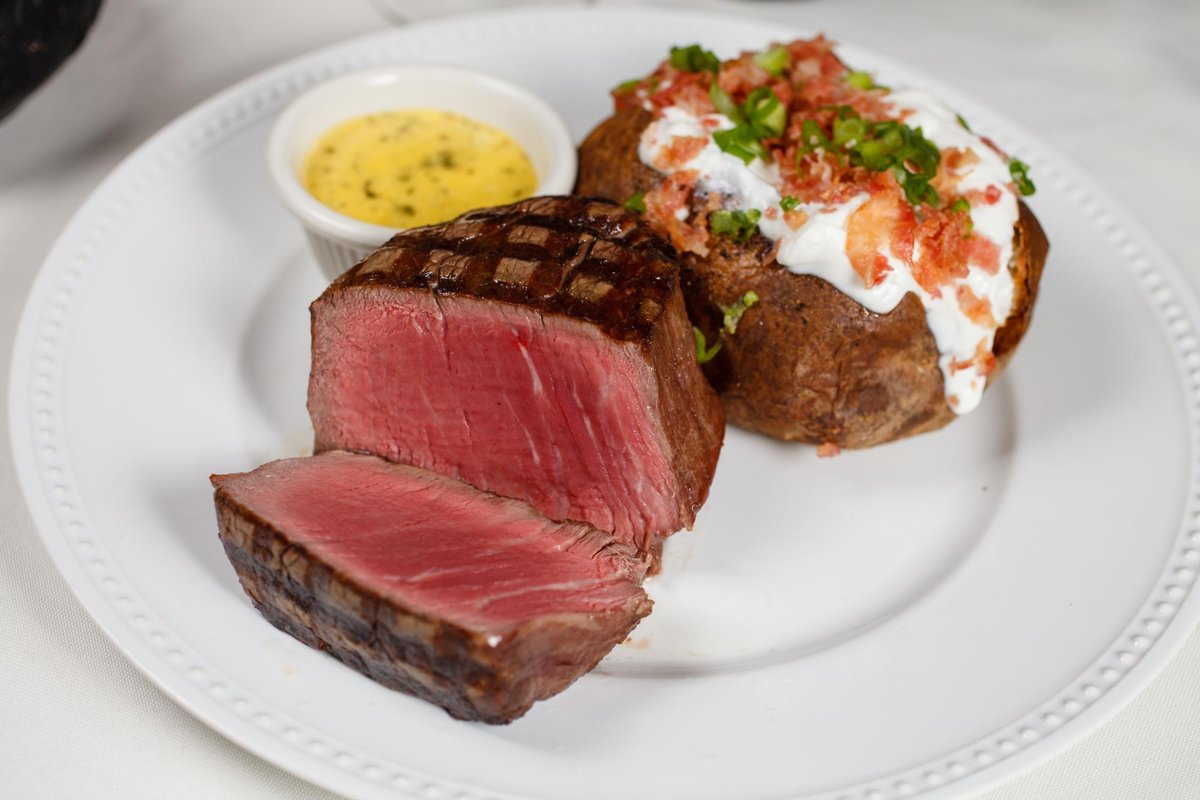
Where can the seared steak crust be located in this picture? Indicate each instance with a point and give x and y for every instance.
(581, 257)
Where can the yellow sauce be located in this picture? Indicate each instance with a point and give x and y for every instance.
(416, 167)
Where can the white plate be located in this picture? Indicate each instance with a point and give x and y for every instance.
(925, 618)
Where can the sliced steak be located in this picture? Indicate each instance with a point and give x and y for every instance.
(540, 351)
(471, 601)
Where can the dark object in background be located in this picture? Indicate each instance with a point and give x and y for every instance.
(36, 38)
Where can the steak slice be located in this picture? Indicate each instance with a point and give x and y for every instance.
(468, 600)
(540, 351)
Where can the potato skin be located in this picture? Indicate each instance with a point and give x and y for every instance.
(808, 363)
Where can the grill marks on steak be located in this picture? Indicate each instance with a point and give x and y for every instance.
(540, 351)
(583, 258)
(471, 601)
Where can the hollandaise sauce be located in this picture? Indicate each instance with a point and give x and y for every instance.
(416, 167)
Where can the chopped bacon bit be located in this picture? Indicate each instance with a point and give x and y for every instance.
(819, 177)
(936, 243)
(976, 197)
(828, 450)
(667, 198)
(954, 163)
(688, 90)
(975, 307)
(956, 160)
(742, 75)
(904, 233)
(681, 150)
(983, 361)
(821, 78)
(795, 218)
(983, 253)
(943, 254)
(694, 99)
(623, 101)
(885, 221)
(881, 268)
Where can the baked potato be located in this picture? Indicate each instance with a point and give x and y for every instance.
(799, 357)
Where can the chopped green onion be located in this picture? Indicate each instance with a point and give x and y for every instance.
(724, 104)
(860, 80)
(740, 142)
(1020, 175)
(879, 147)
(863, 80)
(962, 121)
(736, 225)
(774, 60)
(871, 154)
(849, 131)
(732, 316)
(911, 157)
(636, 203)
(917, 190)
(963, 206)
(765, 113)
(624, 87)
(734, 313)
(789, 203)
(761, 116)
(694, 58)
(813, 137)
(704, 353)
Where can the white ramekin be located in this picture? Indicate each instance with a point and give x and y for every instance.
(338, 241)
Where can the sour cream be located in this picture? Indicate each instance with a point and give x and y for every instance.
(818, 247)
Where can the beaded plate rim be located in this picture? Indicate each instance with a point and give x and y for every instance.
(44, 471)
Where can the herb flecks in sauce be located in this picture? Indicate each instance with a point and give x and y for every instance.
(416, 167)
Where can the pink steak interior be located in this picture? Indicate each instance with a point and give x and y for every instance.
(433, 544)
(547, 409)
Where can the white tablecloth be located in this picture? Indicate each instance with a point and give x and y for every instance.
(1113, 83)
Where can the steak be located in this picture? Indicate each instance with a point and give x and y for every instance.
(469, 600)
(540, 351)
